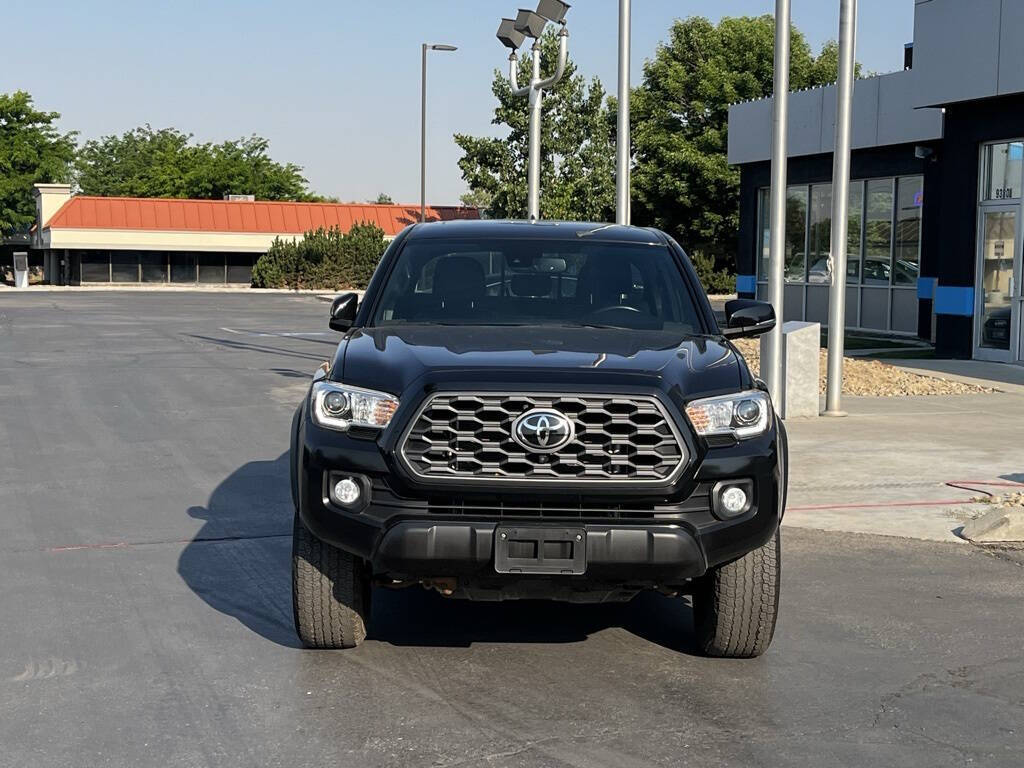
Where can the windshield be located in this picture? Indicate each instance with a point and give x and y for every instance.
(538, 282)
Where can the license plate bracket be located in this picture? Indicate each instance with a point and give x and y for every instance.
(540, 550)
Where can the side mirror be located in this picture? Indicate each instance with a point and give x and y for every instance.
(746, 317)
(343, 312)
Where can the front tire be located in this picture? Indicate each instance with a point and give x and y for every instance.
(330, 592)
(735, 606)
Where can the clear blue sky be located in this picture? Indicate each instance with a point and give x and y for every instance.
(334, 84)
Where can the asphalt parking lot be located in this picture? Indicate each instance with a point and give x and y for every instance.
(145, 609)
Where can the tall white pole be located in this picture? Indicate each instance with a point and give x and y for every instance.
(423, 136)
(771, 370)
(536, 110)
(622, 165)
(840, 196)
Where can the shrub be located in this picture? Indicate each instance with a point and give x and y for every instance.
(323, 259)
(715, 281)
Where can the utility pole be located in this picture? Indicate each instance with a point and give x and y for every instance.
(623, 141)
(840, 197)
(772, 364)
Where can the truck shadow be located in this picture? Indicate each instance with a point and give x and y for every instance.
(239, 563)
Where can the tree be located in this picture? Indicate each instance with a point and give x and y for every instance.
(682, 181)
(165, 163)
(577, 162)
(383, 199)
(477, 198)
(32, 151)
(323, 259)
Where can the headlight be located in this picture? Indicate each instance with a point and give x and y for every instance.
(337, 406)
(742, 415)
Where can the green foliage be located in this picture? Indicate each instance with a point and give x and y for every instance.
(715, 281)
(682, 181)
(577, 161)
(383, 199)
(31, 151)
(164, 163)
(477, 198)
(323, 259)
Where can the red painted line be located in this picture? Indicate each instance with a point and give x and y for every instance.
(887, 505)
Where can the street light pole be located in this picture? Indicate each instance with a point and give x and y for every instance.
(423, 123)
(535, 91)
(840, 196)
(772, 364)
(622, 165)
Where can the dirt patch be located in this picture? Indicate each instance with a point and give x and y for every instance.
(872, 377)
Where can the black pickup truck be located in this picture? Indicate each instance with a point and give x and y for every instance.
(539, 410)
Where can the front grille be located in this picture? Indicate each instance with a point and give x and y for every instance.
(616, 438)
(518, 507)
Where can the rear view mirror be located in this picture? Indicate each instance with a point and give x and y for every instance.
(747, 317)
(343, 312)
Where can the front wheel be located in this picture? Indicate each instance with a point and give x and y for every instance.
(735, 605)
(330, 592)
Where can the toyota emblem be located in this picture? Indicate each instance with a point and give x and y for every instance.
(543, 430)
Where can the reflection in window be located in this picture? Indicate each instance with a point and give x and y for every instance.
(818, 270)
(1003, 165)
(910, 199)
(796, 233)
(878, 232)
(764, 230)
(854, 220)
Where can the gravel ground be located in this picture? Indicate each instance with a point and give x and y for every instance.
(872, 377)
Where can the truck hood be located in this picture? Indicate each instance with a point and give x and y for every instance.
(393, 359)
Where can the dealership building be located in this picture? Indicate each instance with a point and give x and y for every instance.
(83, 240)
(935, 207)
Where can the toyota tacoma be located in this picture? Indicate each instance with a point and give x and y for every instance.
(539, 410)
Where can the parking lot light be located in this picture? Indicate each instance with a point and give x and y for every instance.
(553, 10)
(509, 36)
(530, 24)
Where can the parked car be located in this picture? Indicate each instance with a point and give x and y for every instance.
(539, 410)
(995, 332)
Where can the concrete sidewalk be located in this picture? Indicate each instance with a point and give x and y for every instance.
(892, 467)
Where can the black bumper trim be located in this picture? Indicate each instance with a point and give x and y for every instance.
(667, 554)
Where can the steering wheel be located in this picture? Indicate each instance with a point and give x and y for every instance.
(614, 308)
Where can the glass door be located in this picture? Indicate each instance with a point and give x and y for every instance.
(997, 336)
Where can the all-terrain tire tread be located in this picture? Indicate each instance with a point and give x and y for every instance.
(329, 592)
(736, 605)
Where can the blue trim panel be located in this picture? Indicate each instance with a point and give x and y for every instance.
(954, 300)
(925, 287)
(746, 284)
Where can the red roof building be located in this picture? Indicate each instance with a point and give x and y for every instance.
(137, 240)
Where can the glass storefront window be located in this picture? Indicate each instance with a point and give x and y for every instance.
(95, 266)
(154, 267)
(240, 267)
(211, 268)
(854, 220)
(1002, 169)
(878, 230)
(820, 234)
(909, 203)
(124, 266)
(796, 234)
(183, 267)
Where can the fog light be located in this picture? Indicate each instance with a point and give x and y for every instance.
(734, 500)
(347, 491)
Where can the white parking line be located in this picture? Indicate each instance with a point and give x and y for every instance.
(264, 334)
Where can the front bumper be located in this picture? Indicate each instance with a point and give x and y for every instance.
(657, 538)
